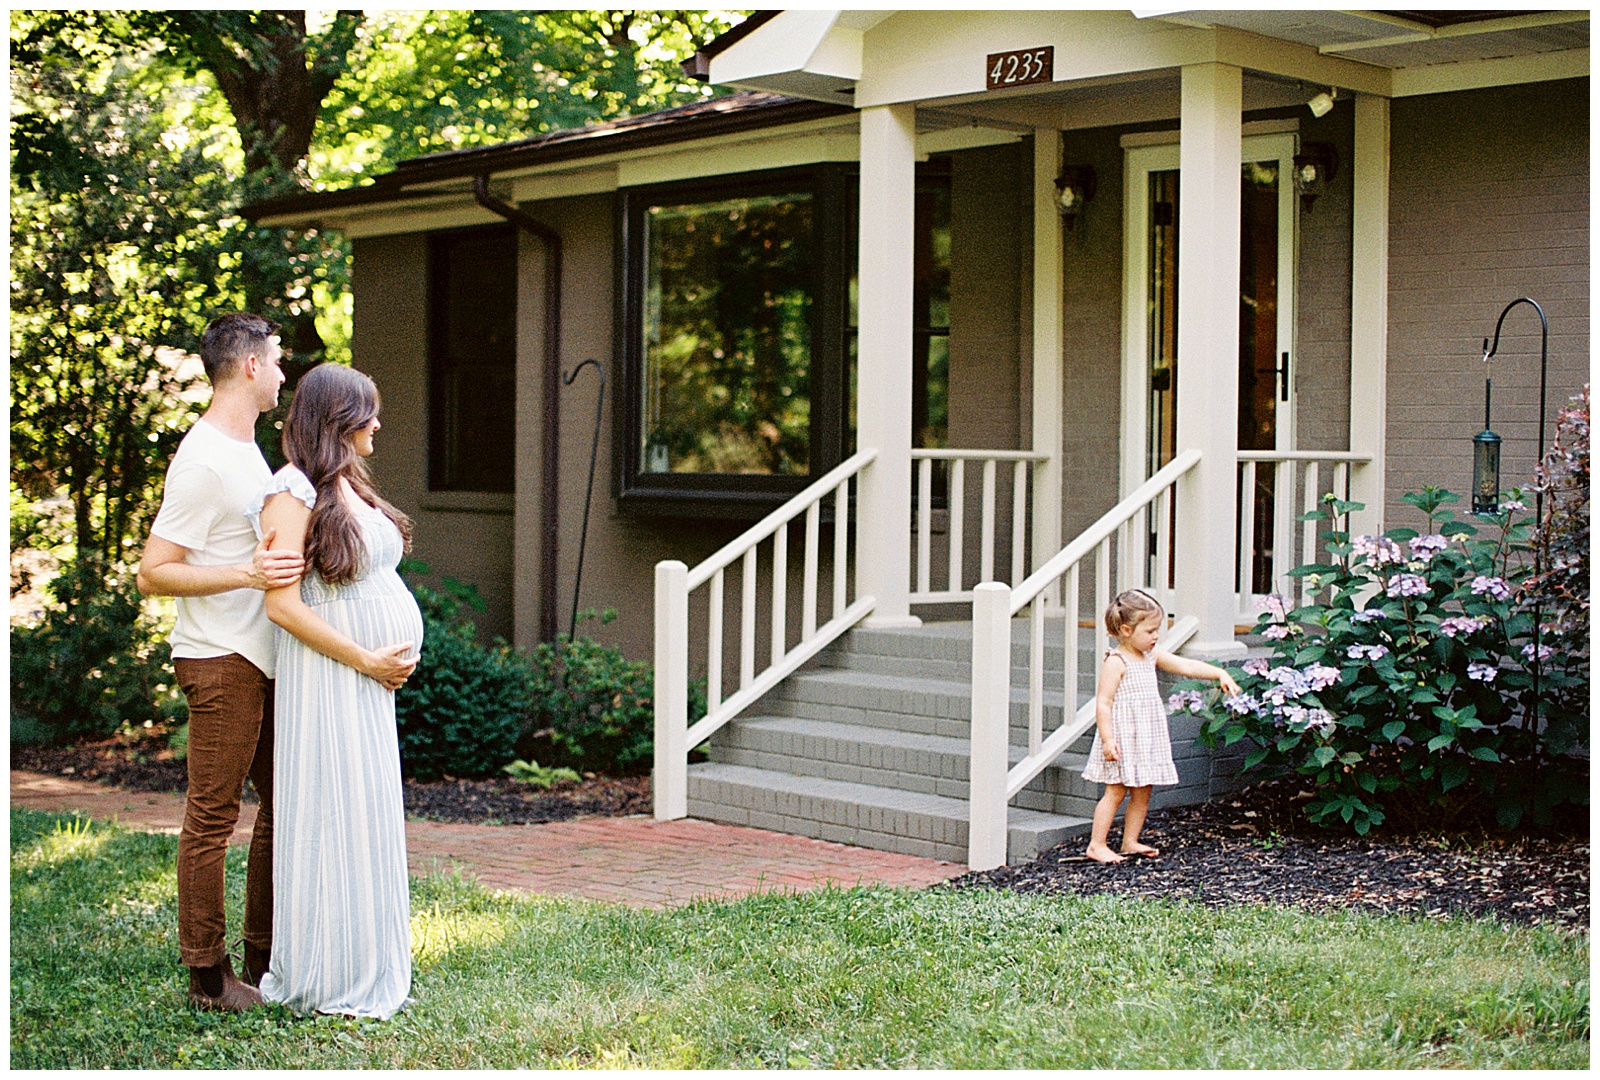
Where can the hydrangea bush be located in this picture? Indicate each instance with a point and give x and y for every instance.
(1408, 685)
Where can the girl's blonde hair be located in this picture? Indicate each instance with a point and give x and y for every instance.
(1128, 608)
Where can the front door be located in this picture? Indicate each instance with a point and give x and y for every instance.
(1266, 322)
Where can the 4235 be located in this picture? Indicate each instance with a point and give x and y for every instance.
(1021, 66)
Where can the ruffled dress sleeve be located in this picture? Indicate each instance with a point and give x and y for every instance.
(288, 479)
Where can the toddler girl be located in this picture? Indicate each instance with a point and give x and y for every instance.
(1132, 749)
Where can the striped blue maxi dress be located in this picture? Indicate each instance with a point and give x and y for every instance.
(341, 916)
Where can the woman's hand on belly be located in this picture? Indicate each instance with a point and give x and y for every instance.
(390, 665)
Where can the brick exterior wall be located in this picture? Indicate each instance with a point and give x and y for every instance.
(1489, 202)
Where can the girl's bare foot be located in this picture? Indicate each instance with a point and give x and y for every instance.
(1101, 853)
(1141, 849)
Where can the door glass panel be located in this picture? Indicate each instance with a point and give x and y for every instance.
(1259, 351)
(1258, 348)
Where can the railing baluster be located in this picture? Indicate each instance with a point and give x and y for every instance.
(714, 644)
(1069, 607)
(1123, 578)
(1102, 575)
(986, 531)
(958, 520)
(747, 622)
(780, 592)
(1163, 531)
(1035, 676)
(808, 596)
(1247, 538)
(1283, 528)
(1019, 520)
(925, 525)
(1308, 541)
(841, 542)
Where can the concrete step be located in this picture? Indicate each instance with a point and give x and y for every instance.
(906, 761)
(913, 823)
(925, 706)
(944, 650)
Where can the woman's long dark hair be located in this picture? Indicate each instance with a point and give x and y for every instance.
(331, 403)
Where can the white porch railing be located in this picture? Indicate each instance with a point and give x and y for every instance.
(1024, 465)
(1298, 479)
(1135, 539)
(674, 582)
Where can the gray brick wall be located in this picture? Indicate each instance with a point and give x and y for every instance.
(1489, 202)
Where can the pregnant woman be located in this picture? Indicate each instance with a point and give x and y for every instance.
(348, 638)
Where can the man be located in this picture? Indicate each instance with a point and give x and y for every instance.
(203, 551)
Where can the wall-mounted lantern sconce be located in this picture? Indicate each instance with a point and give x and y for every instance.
(1314, 169)
(1074, 187)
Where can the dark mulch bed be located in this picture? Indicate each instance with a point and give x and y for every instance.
(497, 801)
(1257, 848)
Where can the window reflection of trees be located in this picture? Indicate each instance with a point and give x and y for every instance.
(727, 336)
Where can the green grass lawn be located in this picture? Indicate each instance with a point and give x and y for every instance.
(838, 978)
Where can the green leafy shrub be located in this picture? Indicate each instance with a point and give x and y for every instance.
(540, 776)
(463, 709)
(597, 706)
(1408, 688)
(95, 660)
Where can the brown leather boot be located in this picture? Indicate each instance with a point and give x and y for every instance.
(236, 996)
(256, 962)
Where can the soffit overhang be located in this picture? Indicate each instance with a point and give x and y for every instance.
(873, 57)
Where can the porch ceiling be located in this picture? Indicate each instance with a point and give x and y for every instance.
(1402, 39)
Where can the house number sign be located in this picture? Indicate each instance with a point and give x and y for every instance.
(1021, 67)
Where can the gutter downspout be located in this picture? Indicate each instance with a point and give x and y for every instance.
(550, 465)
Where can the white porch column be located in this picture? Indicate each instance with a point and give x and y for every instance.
(1210, 148)
(883, 412)
(1369, 311)
(1047, 347)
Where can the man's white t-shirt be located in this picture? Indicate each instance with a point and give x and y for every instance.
(211, 483)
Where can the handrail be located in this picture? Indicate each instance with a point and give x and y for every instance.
(674, 738)
(1351, 456)
(1109, 522)
(993, 783)
(945, 453)
(784, 514)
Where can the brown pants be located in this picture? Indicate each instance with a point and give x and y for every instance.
(230, 737)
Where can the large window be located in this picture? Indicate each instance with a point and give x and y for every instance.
(737, 335)
(472, 359)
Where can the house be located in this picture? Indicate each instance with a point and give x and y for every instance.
(1026, 298)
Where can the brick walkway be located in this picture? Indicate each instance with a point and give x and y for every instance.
(633, 860)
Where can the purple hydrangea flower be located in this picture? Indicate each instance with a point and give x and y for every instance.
(1379, 550)
(1368, 652)
(1321, 676)
(1511, 506)
(1185, 701)
(1278, 632)
(1368, 615)
(1320, 720)
(1495, 587)
(1482, 672)
(1407, 585)
(1460, 625)
(1426, 547)
(1256, 666)
(1241, 704)
(1275, 603)
(1545, 651)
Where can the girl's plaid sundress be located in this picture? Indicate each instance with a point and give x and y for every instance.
(1139, 719)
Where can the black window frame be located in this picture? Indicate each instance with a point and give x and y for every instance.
(438, 433)
(728, 495)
